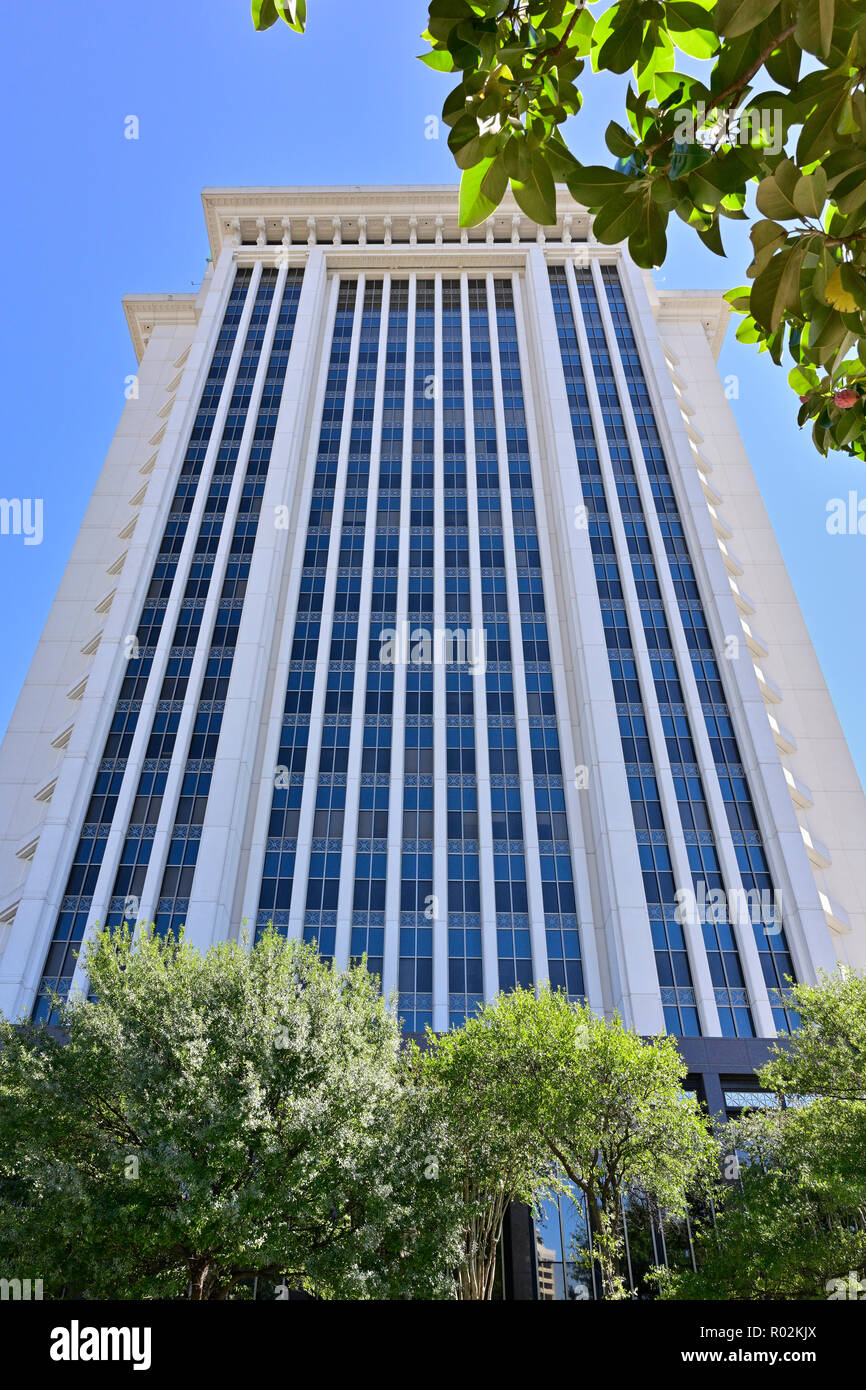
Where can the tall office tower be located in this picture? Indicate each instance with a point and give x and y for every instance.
(426, 607)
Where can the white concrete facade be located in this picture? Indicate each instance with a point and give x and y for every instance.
(809, 804)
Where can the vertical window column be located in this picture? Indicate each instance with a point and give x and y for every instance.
(518, 528)
(370, 747)
(730, 945)
(565, 965)
(622, 935)
(612, 572)
(513, 940)
(440, 657)
(754, 872)
(460, 797)
(417, 905)
(157, 785)
(465, 948)
(571, 795)
(235, 833)
(190, 795)
(374, 704)
(392, 963)
(275, 905)
(86, 872)
(323, 809)
(698, 869)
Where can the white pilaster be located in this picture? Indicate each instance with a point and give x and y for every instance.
(621, 922)
(277, 585)
(25, 954)
(359, 694)
(753, 975)
(701, 981)
(317, 717)
(482, 748)
(391, 957)
(534, 895)
(568, 756)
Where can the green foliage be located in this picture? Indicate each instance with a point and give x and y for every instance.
(796, 1220)
(267, 12)
(698, 137)
(606, 1105)
(494, 1153)
(724, 97)
(209, 1119)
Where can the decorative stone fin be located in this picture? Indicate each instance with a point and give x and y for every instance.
(179, 361)
(26, 852)
(139, 497)
(837, 918)
(128, 531)
(77, 691)
(61, 740)
(45, 793)
(157, 438)
(93, 645)
(104, 606)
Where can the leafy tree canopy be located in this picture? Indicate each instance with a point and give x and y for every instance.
(495, 1150)
(207, 1119)
(607, 1106)
(794, 1225)
(725, 98)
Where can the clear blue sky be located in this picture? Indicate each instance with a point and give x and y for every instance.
(91, 216)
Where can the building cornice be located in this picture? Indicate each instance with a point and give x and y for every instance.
(707, 307)
(423, 213)
(145, 311)
(396, 227)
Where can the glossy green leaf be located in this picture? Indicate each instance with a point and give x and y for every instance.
(854, 284)
(481, 191)
(776, 288)
(264, 13)
(810, 193)
(294, 12)
(648, 242)
(814, 30)
(536, 195)
(803, 380)
(784, 65)
(819, 135)
(618, 141)
(775, 195)
(593, 184)
(735, 17)
(517, 158)
(620, 51)
(439, 60)
(712, 238)
(767, 238)
(618, 217)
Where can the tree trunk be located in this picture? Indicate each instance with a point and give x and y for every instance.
(199, 1279)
